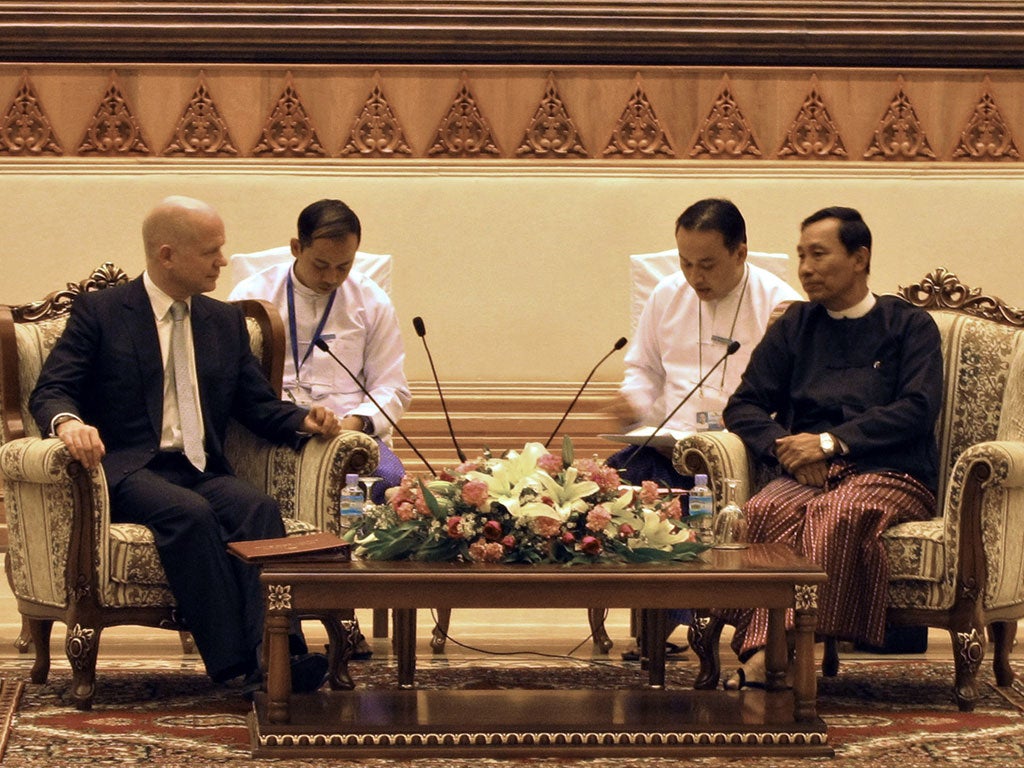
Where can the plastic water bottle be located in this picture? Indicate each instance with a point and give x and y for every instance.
(702, 507)
(350, 505)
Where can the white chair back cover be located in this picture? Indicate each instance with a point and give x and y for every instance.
(648, 269)
(376, 266)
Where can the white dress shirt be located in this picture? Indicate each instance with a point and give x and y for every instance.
(362, 331)
(678, 341)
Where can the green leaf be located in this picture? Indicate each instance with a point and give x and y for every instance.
(431, 500)
(568, 454)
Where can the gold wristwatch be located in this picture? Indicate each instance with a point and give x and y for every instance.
(828, 444)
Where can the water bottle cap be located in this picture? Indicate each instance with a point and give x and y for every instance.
(351, 479)
(700, 479)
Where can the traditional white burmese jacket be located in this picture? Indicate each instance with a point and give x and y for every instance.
(678, 341)
(362, 330)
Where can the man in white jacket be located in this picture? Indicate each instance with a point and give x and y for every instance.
(686, 326)
(320, 296)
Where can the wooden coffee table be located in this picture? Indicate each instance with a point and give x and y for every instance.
(649, 720)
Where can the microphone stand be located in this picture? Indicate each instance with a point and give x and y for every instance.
(322, 345)
(730, 350)
(421, 331)
(618, 345)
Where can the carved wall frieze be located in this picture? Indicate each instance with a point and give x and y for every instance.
(289, 130)
(25, 130)
(987, 135)
(376, 131)
(725, 132)
(552, 132)
(639, 132)
(899, 135)
(813, 133)
(464, 131)
(114, 130)
(201, 131)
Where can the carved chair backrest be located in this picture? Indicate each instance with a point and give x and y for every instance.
(28, 333)
(983, 366)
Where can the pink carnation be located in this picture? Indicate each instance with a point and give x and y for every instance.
(598, 518)
(672, 511)
(405, 510)
(550, 463)
(475, 492)
(486, 551)
(607, 478)
(545, 526)
(648, 492)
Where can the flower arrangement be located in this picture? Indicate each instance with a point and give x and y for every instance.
(527, 507)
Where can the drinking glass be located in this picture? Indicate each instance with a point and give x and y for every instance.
(730, 523)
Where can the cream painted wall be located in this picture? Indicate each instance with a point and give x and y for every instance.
(519, 271)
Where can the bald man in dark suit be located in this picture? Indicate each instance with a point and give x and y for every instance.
(117, 394)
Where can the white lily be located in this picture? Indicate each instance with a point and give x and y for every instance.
(658, 533)
(513, 471)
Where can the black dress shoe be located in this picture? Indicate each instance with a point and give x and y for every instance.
(309, 670)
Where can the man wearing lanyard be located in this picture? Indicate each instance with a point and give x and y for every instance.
(320, 296)
(685, 328)
(690, 319)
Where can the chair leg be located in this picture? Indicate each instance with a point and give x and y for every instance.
(39, 631)
(188, 643)
(704, 635)
(440, 633)
(82, 647)
(830, 661)
(602, 642)
(24, 640)
(968, 653)
(1003, 634)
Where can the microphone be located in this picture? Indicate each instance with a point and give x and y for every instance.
(421, 331)
(618, 345)
(730, 350)
(322, 345)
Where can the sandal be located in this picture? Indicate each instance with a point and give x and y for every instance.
(738, 681)
(673, 652)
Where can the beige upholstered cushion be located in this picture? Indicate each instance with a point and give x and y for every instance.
(916, 550)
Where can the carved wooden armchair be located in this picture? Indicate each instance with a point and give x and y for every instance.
(67, 562)
(962, 570)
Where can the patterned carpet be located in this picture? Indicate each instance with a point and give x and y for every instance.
(882, 714)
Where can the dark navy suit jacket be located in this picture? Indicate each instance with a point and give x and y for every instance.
(106, 368)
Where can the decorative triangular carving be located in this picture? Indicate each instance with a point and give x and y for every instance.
(639, 133)
(551, 132)
(813, 133)
(987, 135)
(201, 131)
(376, 131)
(114, 129)
(464, 131)
(899, 135)
(25, 130)
(725, 132)
(289, 130)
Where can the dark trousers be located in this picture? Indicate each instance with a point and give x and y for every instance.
(193, 515)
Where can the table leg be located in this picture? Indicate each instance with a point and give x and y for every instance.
(278, 668)
(777, 652)
(655, 632)
(805, 684)
(404, 620)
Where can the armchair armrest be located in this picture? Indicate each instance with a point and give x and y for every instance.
(719, 455)
(305, 483)
(984, 513)
(55, 511)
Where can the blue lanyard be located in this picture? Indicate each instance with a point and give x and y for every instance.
(292, 329)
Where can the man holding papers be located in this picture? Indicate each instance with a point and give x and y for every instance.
(688, 323)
